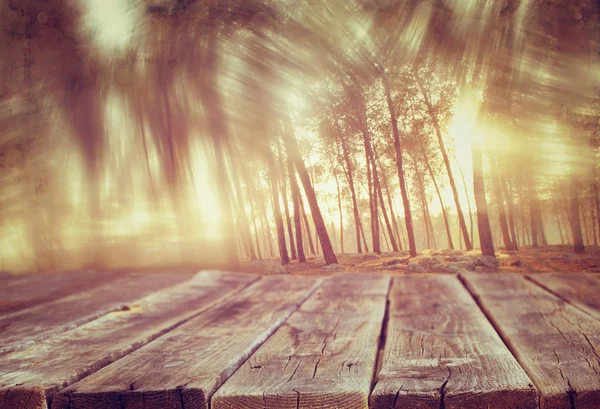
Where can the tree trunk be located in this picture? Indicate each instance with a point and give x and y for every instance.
(592, 216)
(283, 253)
(555, 208)
(398, 227)
(244, 224)
(291, 145)
(339, 197)
(423, 203)
(533, 213)
(462, 175)
(578, 245)
(286, 206)
(500, 205)
(295, 192)
(511, 212)
(436, 126)
(349, 173)
(398, 150)
(311, 245)
(372, 178)
(541, 229)
(483, 221)
(388, 225)
(439, 195)
(364, 239)
(385, 237)
(266, 228)
(597, 200)
(584, 219)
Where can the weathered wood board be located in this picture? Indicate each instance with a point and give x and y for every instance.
(20, 292)
(557, 344)
(29, 375)
(582, 290)
(441, 352)
(186, 366)
(28, 326)
(322, 357)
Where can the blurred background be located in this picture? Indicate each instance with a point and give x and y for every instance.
(160, 133)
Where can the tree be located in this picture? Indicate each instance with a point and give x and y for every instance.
(483, 221)
(293, 151)
(578, 246)
(436, 126)
(400, 167)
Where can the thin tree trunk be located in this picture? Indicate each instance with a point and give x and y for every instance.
(533, 214)
(584, 219)
(597, 200)
(252, 201)
(242, 215)
(385, 237)
(266, 228)
(399, 166)
(562, 239)
(578, 245)
(566, 213)
(311, 245)
(431, 226)
(511, 212)
(286, 206)
(541, 229)
(291, 145)
(295, 192)
(362, 233)
(339, 197)
(483, 221)
(436, 126)
(350, 178)
(283, 253)
(592, 216)
(439, 195)
(398, 227)
(503, 223)
(388, 225)
(371, 177)
(462, 175)
(423, 203)
(392, 213)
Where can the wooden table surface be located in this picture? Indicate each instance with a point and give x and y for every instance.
(228, 340)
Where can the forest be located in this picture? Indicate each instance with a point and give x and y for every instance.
(138, 133)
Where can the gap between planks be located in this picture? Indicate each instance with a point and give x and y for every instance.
(547, 335)
(576, 294)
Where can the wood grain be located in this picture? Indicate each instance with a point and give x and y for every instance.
(20, 292)
(187, 365)
(28, 326)
(318, 358)
(441, 352)
(582, 290)
(557, 344)
(28, 375)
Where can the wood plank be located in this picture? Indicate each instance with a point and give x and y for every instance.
(582, 290)
(20, 292)
(28, 326)
(349, 293)
(442, 352)
(318, 358)
(557, 344)
(40, 370)
(186, 366)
